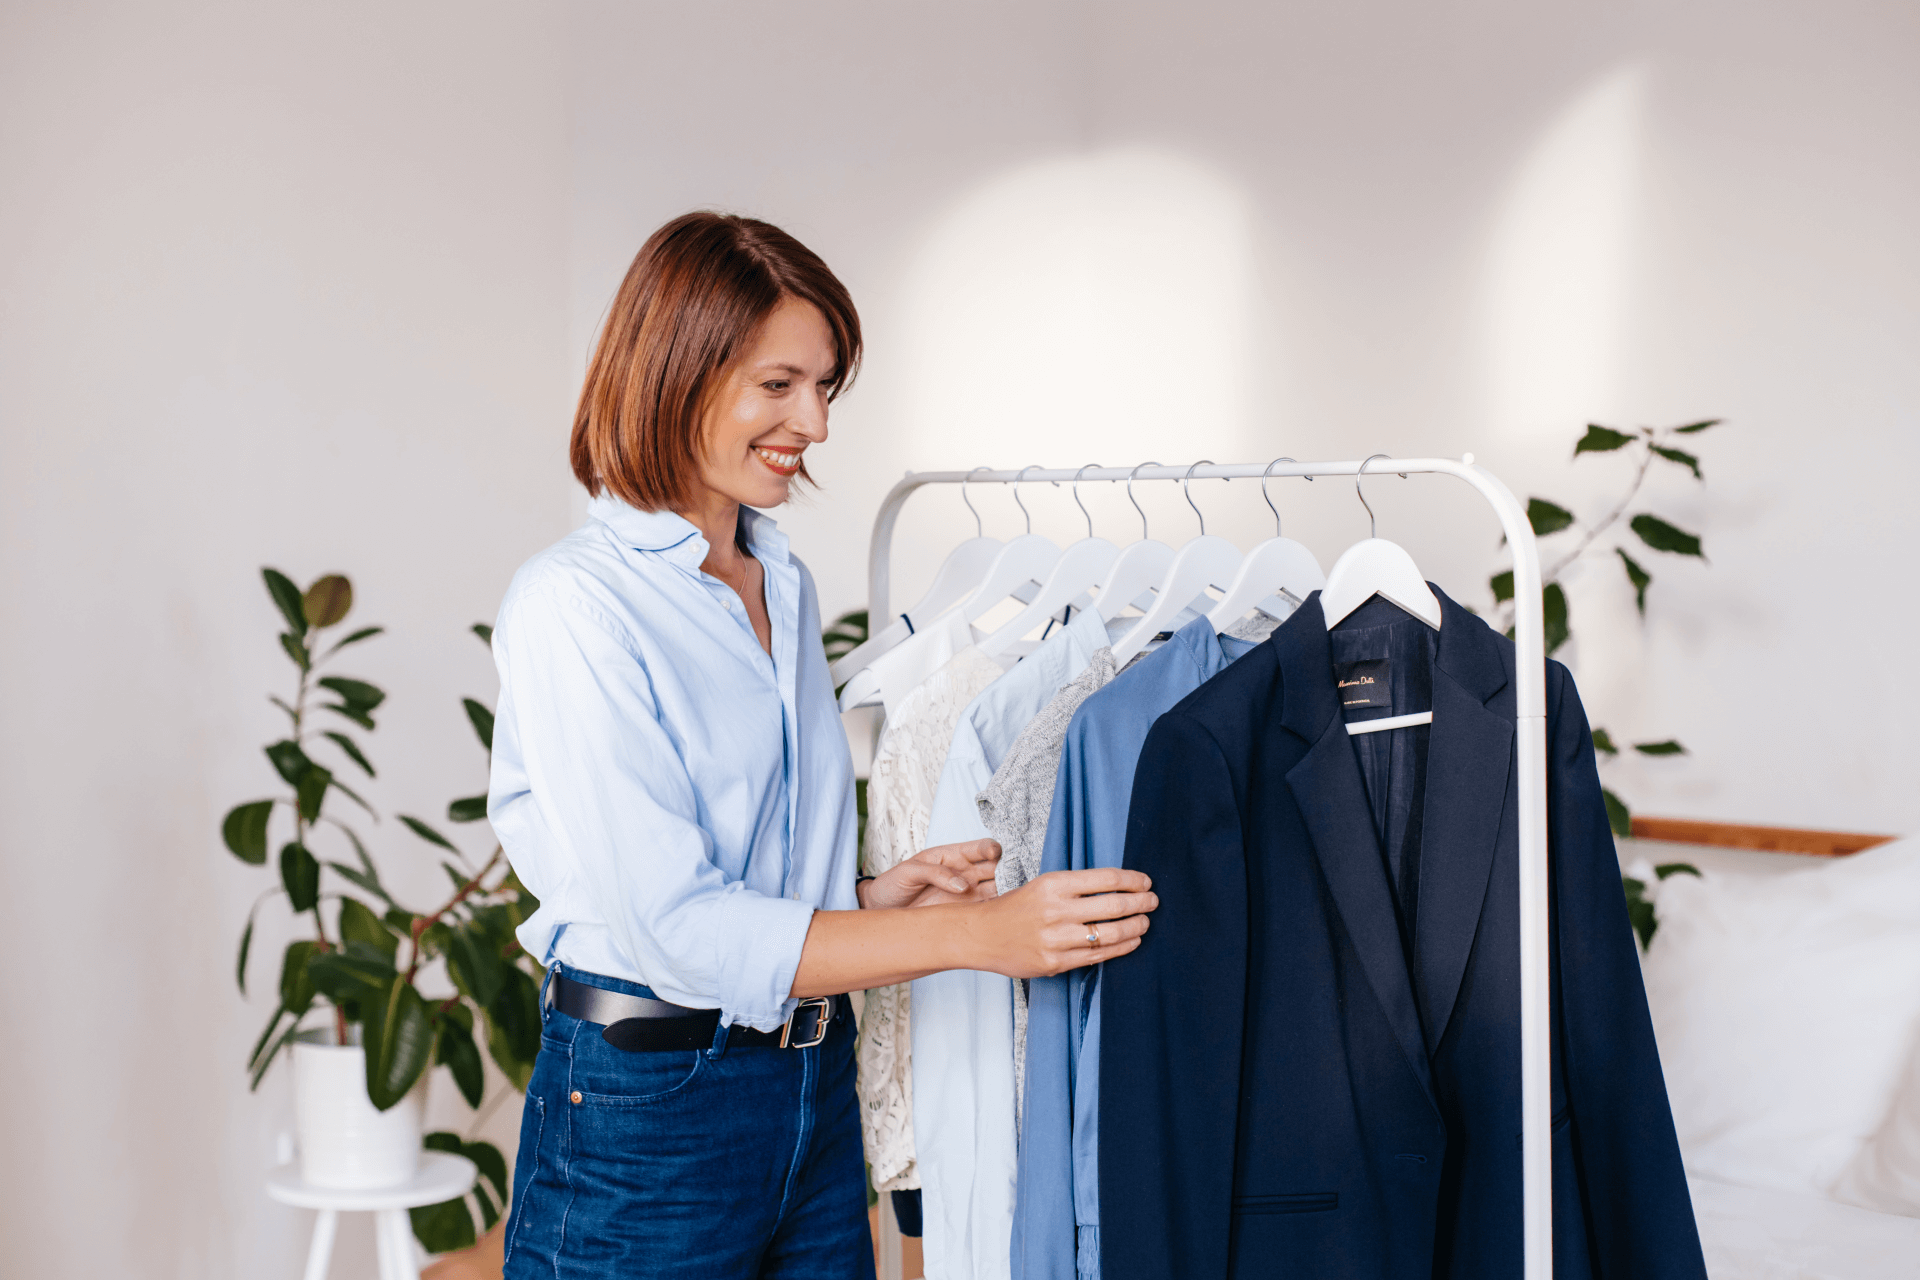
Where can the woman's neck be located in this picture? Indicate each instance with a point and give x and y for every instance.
(717, 517)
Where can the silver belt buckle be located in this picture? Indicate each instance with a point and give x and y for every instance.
(823, 1019)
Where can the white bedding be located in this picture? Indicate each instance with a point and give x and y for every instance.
(1749, 1234)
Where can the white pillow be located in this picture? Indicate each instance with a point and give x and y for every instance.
(1787, 1007)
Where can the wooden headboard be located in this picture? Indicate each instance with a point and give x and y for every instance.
(1740, 835)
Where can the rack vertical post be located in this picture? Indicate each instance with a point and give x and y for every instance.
(1530, 744)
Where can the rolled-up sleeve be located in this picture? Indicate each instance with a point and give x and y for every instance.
(620, 815)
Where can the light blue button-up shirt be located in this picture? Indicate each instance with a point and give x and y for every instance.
(679, 802)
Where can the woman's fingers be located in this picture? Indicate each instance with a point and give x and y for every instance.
(1112, 906)
(1099, 880)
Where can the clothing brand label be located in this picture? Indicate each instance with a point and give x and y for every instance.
(1364, 685)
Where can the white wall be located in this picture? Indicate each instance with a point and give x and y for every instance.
(313, 287)
(1121, 232)
(278, 284)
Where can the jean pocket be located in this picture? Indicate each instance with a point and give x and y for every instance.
(533, 1128)
(604, 1076)
(1297, 1202)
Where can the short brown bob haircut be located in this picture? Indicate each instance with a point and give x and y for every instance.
(694, 298)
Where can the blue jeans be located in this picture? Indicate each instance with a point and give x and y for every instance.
(716, 1163)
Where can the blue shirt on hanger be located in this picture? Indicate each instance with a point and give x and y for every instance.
(680, 802)
(1056, 1224)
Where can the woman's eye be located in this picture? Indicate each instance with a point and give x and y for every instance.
(778, 384)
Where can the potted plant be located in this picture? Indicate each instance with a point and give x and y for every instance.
(379, 994)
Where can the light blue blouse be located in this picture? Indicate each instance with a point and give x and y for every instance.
(679, 802)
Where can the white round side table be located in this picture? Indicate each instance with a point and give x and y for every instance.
(441, 1176)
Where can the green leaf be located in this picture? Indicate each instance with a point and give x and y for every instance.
(1682, 457)
(301, 655)
(400, 920)
(358, 923)
(1667, 748)
(443, 1227)
(1601, 439)
(352, 795)
(266, 1035)
(1547, 517)
(485, 633)
(1666, 869)
(427, 833)
(296, 984)
(845, 634)
(1603, 741)
(311, 792)
(327, 600)
(1639, 910)
(354, 714)
(457, 1052)
(1502, 584)
(245, 831)
(289, 760)
(398, 1040)
(364, 633)
(246, 945)
(266, 1059)
(475, 965)
(281, 703)
(358, 974)
(351, 748)
(455, 874)
(355, 693)
(287, 597)
(1639, 577)
(1694, 428)
(361, 880)
(1554, 606)
(301, 876)
(1661, 536)
(493, 1173)
(1618, 816)
(482, 721)
(513, 1026)
(470, 809)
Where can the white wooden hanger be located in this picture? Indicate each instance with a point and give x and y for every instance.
(1140, 567)
(1206, 561)
(964, 569)
(1277, 566)
(1372, 568)
(1081, 566)
(1376, 567)
(1017, 570)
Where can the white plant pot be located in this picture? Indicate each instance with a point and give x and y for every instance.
(344, 1142)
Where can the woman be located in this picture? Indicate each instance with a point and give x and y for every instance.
(670, 778)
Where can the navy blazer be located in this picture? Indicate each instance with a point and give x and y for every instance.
(1279, 1096)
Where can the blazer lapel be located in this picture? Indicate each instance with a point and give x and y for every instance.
(1469, 756)
(1332, 799)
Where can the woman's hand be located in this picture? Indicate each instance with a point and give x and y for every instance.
(1066, 919)
(944, 873)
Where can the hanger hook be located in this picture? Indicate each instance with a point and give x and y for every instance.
(1016, 494)
(1204, 462)
(1076, 495)
(1373, 521)
(1135, 501)
(979, 530)
(1269, 497)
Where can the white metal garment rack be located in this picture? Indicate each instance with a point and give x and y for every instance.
(1530, 734)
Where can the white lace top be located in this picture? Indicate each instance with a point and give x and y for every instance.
(900, 789)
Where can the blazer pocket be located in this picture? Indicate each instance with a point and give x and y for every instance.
(1299, 1202)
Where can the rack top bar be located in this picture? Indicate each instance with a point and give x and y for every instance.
(1204, 471)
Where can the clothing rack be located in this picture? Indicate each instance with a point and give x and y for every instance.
(1530, 734)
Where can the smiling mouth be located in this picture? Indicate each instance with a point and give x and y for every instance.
(783, 462)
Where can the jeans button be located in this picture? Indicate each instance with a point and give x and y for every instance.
(574, 1096)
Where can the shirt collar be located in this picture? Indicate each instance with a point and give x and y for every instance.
(677, 537)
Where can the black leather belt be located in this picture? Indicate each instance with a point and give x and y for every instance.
(640, 1025)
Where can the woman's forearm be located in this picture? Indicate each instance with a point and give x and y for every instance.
(1058, 921)
(855, 950)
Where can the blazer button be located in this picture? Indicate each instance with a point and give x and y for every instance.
(575, 1096)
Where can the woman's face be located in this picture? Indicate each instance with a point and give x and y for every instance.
(770, 407)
